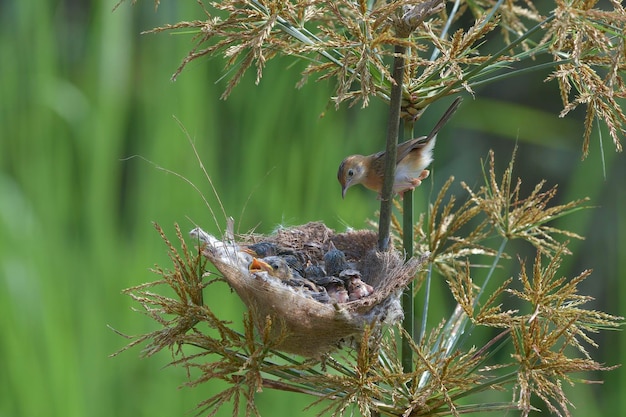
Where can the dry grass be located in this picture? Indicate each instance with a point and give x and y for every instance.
(542, 323)
(352, 41)
(539, 319)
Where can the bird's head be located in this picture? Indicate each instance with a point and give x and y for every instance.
(273, 265)
(351, 171)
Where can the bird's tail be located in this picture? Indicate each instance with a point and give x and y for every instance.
(444, 119)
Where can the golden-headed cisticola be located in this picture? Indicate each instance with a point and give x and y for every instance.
(412, 159)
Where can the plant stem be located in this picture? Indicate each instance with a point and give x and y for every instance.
(491, 270)
(408, 303)
(426, 302)
(393, 127)
(411, 19)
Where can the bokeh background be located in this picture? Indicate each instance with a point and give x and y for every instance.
(87, 115)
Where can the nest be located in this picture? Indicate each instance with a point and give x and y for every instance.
(299, 288)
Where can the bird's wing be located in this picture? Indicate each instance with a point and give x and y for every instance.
(403, 149)
(378, 155)
(406, 147)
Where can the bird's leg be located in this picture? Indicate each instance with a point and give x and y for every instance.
(414, 183)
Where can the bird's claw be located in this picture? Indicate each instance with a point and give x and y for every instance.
(415, 182)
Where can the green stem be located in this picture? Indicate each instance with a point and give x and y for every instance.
(518, 72)
(408, 303)
(455, 327)
(426, 302)
(493, 268)
(508, 47)
(444, 32)
(393, 127)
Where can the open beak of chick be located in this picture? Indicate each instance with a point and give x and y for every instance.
(258, 265)
(274, 266)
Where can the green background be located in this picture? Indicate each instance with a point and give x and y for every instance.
(82, 93)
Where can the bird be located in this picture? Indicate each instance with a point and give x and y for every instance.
(335, 261)
(412, 158)
(337, 293)
(278, 267)
(314, 272)
(274, 266)
(356, 287)
(264, 249)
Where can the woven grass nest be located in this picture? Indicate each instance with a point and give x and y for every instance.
(298, 290)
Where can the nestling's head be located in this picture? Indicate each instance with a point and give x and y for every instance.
(351, 171)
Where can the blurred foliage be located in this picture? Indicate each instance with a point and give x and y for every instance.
(82, 92)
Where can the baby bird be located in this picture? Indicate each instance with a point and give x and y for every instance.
(279, 267)
(263, 249)
(356, 288)
(335, 261)
(337, 293)
(274, 266)
(314, 272)
(413, 157)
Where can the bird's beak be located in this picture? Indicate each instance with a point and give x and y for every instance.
(258, 265)
(343, 192)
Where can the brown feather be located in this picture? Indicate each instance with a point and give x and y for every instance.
(405, 148)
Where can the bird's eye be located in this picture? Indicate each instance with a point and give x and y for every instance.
(350, 173)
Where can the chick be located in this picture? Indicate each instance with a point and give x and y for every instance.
(356, 288)
(337, 293)
(321, 296)
(265, 249)
(310, 289)
(326, 281)
(335, 261)
(313, 272)
(295, 262)
(278, 267)
(274, 266)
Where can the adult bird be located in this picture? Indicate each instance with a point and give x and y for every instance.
(413, 157)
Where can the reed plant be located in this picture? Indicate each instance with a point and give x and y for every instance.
(410, 55)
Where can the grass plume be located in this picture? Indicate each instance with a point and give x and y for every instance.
(542, 327)
(542, 331)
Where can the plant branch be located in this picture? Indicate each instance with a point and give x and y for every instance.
(404, 24)
(393, 127)
(408, 302)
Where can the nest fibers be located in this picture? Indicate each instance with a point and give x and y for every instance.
(314, 320)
